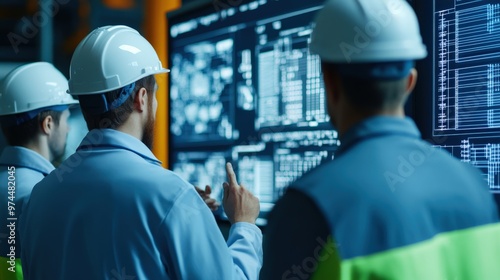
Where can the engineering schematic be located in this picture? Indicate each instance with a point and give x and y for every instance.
(466, 109)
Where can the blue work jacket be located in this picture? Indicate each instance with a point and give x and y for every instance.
(110, 211)
(389, 206)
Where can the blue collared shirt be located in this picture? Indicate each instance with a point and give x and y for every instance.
(111, 211)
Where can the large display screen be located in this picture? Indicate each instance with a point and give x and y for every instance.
(244, 88)
(458, 92)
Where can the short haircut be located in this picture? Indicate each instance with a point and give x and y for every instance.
(22, 134)
(371, 94)
(116, 117)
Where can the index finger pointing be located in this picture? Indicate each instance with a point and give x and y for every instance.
(230, 174)
(208, 189)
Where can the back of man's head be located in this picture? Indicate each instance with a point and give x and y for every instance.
(372, 93)
(29, 94)
(107, 68)
(371, 46)
(111, 109)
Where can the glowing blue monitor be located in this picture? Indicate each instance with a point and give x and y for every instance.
(245, 88)
(458, 93)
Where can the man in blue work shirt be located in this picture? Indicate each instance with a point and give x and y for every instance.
(389, 206)
(110, 210)
(34, 118)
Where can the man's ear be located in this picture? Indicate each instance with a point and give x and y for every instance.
(412, 81)
(331, 81)
(141, 100)
(47, 125)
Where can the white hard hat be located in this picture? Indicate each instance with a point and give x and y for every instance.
(366, 31)
(109, 58)
(33, 86)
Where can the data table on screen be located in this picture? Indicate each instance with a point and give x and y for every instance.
(245, 88)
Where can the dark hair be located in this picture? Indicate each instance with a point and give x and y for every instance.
(116, 117)
(22, 134)
(372, 94)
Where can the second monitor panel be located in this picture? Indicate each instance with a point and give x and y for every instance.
(459, 85)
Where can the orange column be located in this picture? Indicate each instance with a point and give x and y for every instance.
(155, 30)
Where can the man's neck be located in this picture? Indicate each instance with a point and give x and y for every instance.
(351, 119)
(41, 147)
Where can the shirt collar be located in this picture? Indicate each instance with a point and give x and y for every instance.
(23, 157)
(378, 126)
(116, 139)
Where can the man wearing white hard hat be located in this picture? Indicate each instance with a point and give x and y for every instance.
(34, 118)
(389, 206)
(110, 211)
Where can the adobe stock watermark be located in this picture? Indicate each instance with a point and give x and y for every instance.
(91, 140)
(30, 27)
(121, 275)
(407, 164)
(309, 265)
(372, 29)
